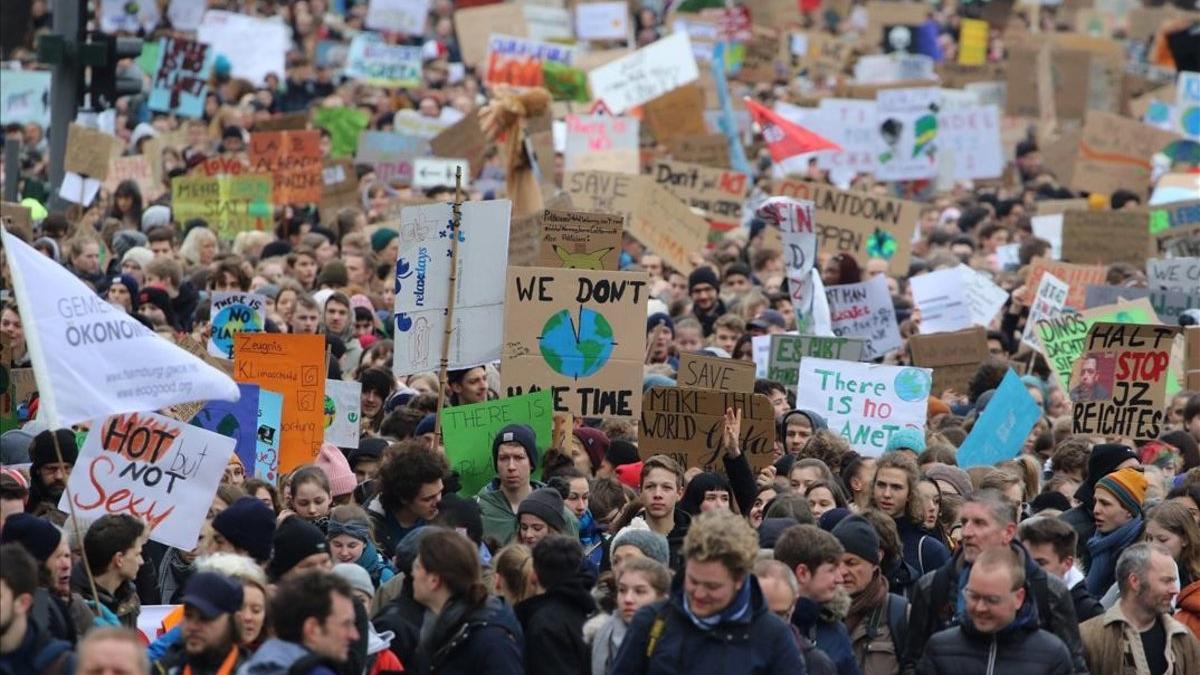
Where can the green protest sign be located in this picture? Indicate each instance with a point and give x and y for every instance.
(344, 126)
(468, 430)
(783, 362)
(564, 82)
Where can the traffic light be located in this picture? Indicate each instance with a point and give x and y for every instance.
(109, 82)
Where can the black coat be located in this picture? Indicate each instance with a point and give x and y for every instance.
(1020, 649)
(553, 625)
(1086, 606)
(402, 616)
(489, 641)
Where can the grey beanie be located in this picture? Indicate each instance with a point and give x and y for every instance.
(653, 544)
(355, 575)
(14, 447)
(953, 475)
(154, 216)
(124, 240)
(547, 504)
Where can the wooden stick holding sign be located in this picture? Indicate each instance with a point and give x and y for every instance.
(87, 566)
(444, 367)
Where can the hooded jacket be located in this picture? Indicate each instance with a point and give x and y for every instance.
(1020, 648)
(39, 652)
(279, 657)
(759, 643)
(1113, 646)
(822, 626)
(500, 521)
(489, 640)
(553, 625)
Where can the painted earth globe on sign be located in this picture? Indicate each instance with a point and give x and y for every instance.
(576, 346)
(912, 384)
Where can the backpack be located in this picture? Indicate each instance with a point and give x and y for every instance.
(897, 622)
(55, 659)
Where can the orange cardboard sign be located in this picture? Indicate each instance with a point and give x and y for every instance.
(294, 159)
(293, 365)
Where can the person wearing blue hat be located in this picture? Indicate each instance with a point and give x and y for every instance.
(909, 439)
(211, 631)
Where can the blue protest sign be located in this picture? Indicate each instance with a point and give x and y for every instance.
(270, 411)
(237, 420)
(179, 82)
(1000, 431)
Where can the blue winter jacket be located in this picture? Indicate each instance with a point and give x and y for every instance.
(830, 637)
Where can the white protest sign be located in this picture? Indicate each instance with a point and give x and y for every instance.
(1049, 227)
(908, 129)
(423, 285)
(157, 469)
(760, 349)
(1174, 274)
(971, 135)
(865, 403)
(437, 172)
(547, 24)
(1048, 303)
(941, 298)
(117, 16)
(645, 74)
(851, 123)
(602, 143)
(25, 97)
(343, 412)
(798, 233)
(92, 359)
(373, 61)
(186, 15)
(865, 310)
(233, 313)
(255, 47)
(896, 67)
(984, 298)
(406, 17)
(602, 20)
(1187, 104)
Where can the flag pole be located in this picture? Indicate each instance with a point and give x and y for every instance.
(87, 567)
(444, 366)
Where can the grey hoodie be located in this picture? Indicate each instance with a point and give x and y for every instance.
(274, 657)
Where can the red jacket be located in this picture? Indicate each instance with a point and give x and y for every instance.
(1189, 608)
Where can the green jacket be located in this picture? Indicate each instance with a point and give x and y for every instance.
(500, 521)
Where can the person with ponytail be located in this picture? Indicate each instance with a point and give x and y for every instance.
(471, 633)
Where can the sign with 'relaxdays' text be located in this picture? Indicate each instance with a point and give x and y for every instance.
(468, 431)
(1118, 388)
(712, 372)
(864, 402)
(688, 424)
(579, 333)
(154, 468)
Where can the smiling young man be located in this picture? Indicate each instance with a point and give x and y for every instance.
(211, 631)
(411, 486)
(815, 557)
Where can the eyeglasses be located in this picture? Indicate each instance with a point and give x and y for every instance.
(974, 598)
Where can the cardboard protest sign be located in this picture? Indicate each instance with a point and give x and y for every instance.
(864, 310)
(137, 169)
(688, 424)
(1063, 338)
(954, 357)
(233, 313)
(293, 158)
(390, 154)
(787, 351)
(1115, 153)
(473, 26)
(1168, 305)
(406, 17)
(468, 432)
(1000, 432)
(180, 81)
(267, 435)
(861, 224)
(602, 143)
(339, 188)
(230, 204)
(16, 216)
(1192, 365)
(719, 193)
(706, 149)
(343, 412)
(375, 62)
(580, 334)
(579, 240)
(237, 420)
(157, 469)
(645, 74)
(1182, 274)
(1048, 303)
(464, 138)
(25, 97)
(518, 61)
(863, 402)
(602, 21)
(711, 372)
(1118, 386)
(1105, 237)
(1077, 277)
(679, 112)
(255, 47)
(89, 151)
(423, 290)
(293, 365)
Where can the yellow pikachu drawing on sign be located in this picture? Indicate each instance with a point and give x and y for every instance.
(582, 261)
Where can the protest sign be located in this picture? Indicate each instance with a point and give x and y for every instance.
(1180, 274)
(941, 298)
(580, 334)
(1187, 105)
(468, 432)
(473, 26)
(344, 126)
(1168, 305)
(89, 151)
(689, 424)
(706, 149)
(230, 204)
(1192, 365)
(137, 169)
(518, 61)
(580, 240)
(237, 420)
(186, 15)
(1048, 303)
(254, 47)
(92, 359)
(157, 469)
(893, 68)
(1063, 337)
(293, 158)
(715, 373)
(862, 224)
(565, 83)
(294, 366)
(645, 74)
(267, 435)
(968, 142)
(863, 402)
(719, 193)
(786, 352)
(853, 125)
(340, 188)
(1115, 153)
(406, 17)
(180, 79)
(1077, 277)
(1105, 237)
(984, 297)
(343, 412)
(602, 21)
(864, 310)
(547, 22)
(374, 62)
(1118, 384)
(422, 285)
(602, 143)
(25, 97)
(15, 215)
(464, 138)
(438, 172)
(794, 218)
(1049, 227)
(972, 42)
(233, 313)
(229, 164)
(390, 154)
(953, 356)
(908, 133)
(1000, 432)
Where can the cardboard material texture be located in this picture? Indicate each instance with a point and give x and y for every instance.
(719, 193)
(679, 112)
(89, 151)
(1115, 153)
(1076, 276)
(688, 424)
(864, 225)
(579, 333)
(465, 139)
(1192, 368)
(715, 373)
(15, 215)
(137, 169)
(1106, 237)
(954, 357)
(340, 188)
(293, 158)
(580, 240)
(707, 149)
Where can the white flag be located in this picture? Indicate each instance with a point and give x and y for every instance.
(91, 359)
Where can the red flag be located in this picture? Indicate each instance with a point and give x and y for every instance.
(785, 139)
